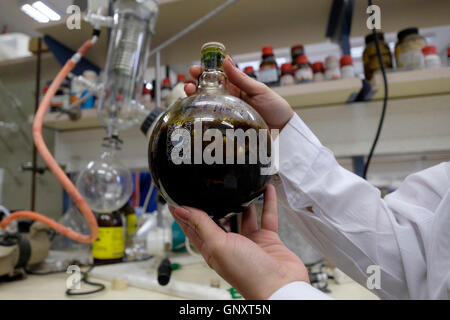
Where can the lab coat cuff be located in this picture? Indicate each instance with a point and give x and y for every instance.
(299, 290)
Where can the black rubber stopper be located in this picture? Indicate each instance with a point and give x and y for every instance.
(164, 272)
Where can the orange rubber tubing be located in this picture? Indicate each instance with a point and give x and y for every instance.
(56, 169)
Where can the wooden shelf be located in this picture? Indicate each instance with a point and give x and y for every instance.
(402, 84)
(405, 84)
(319, 93)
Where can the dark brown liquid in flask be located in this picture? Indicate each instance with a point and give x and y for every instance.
(217, 188)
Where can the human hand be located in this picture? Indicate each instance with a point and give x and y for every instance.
(272, 107)
(255, 262)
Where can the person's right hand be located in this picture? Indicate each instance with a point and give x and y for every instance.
(272, 107)
(255, 262)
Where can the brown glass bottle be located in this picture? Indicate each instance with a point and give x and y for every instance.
(109, 247)
(370, 57)
(250, 72)
(268, 68)
(296, 51)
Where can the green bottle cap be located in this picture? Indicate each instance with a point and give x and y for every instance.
(212, 56)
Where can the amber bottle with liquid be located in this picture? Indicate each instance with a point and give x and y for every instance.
(370, 57)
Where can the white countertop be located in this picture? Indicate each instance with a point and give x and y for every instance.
(53, 286)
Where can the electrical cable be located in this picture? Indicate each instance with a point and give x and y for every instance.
(100, 286)
(385, 100)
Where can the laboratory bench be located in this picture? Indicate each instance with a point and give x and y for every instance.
(53, 287)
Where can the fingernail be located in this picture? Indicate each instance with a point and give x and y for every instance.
(181, 213)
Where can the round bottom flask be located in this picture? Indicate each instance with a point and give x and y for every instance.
(210, 151)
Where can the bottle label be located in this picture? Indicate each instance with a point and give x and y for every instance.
(131, 224)
(287, 80)
(412, 59)
(268, 75)
(304, 74)
(109, 243)
(319, 76)
(165, 93)
(347, 72)
(333, 74)
(432, 61)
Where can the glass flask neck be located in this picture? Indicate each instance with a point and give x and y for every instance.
(111, 144)
(212, 78)
(212, 81)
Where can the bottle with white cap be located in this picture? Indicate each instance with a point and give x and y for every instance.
(332, 71)
(431, 57)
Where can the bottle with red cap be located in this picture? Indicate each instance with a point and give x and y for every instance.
(296, 51)
(347, 70)
(304, 72)
(250, 72)
(181, 78)
(431, 57)
(147, 94)
(166, 87)
(287, 74)
(268, 69)
(318, 71)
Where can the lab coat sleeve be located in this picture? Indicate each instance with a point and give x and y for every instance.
(299, 290)
(379, 243)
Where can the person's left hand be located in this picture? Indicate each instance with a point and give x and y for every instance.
(255, 262)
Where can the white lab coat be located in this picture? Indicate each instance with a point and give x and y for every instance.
(406, 234)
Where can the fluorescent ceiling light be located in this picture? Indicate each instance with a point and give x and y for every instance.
(47, 11)
(35, 14)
